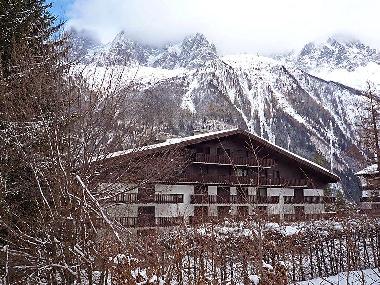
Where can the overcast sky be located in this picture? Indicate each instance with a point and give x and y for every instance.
(234, 26)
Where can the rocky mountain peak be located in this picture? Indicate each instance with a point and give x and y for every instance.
(193, 52)
(335, 53)
(81, 41)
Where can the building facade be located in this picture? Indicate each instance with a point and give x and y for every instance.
(370, 184)
(230, 173)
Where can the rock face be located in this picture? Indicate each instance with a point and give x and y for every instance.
(192, 52)
(340, 59)
(194, 88)
(335, 53)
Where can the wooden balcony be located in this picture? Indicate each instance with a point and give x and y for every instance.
(125, 198)
(242, 180)
(145, 221)
(231, 160)
(232, 199)
(169, 221)
(370, 199)
(304, 200)
(129, 222)
(135, 198)
(168, 198)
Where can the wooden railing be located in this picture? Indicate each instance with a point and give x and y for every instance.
(233, 199)
(169, 221)
(135, 198)
(243, 180)
(142, 221)
(232, 160)
(129, 222)
(168, 198)
(308, 200)
(370, 199)
(125, 198)
(303, 200)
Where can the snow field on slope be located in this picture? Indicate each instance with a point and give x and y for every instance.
(364, 277)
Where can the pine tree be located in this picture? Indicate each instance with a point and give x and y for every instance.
(25, 23)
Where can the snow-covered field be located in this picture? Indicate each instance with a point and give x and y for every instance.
(364, 277)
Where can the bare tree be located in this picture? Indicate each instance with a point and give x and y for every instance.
(369, 125)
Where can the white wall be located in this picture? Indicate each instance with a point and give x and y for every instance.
(212, 190)
(175, 210)
(122, 210)
(313, 192)
(275, 209)
(280, 192)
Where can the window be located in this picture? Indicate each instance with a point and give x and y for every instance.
(207, 150)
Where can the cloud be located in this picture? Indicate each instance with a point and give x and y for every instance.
(234, 26)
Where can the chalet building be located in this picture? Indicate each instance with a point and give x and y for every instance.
(230, 173)
(370, 182)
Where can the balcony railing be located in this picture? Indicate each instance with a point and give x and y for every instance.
(134, 198)
(242, 180)
(168, 198)
(129, 222)
(370, 199)
(233, 199)
(303, 200)
(125, 198)
(148, 221)
(232, 160)
(169, 221)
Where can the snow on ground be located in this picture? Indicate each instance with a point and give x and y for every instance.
(365, 277)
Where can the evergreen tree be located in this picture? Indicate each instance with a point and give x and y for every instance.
(27, 24)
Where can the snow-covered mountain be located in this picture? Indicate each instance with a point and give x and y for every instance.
(278, 99)
(340, 59)
(192, 52)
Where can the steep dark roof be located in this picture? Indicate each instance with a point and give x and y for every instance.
(191, 140)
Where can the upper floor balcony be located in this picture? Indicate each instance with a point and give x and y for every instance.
(231, 199)
(135, 198)
(232, 160)
(243, 180)
(308, 200)
(374, 199)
